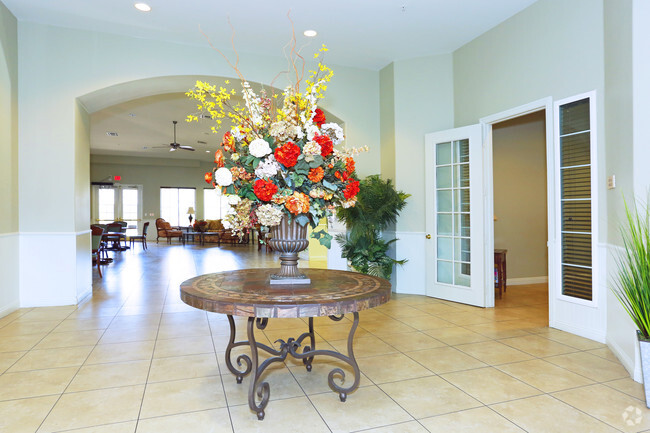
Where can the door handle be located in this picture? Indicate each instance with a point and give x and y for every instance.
(428, 236)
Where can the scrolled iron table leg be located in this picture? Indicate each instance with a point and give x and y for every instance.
(262, 390)
(239, 374)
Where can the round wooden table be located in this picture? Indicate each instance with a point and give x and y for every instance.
(248, 293)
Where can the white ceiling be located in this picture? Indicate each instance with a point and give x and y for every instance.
(361, 33)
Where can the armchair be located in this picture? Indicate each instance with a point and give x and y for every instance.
(165, 230)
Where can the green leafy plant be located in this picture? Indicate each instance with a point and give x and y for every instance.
(632, 288)
(378, 206)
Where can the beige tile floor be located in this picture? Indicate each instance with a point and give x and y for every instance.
(134, 358)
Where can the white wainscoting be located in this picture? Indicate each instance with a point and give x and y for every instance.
(411, 277)
(334, 259)
(9, 280)
(49, 265)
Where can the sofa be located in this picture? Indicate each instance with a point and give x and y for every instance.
(216, 233)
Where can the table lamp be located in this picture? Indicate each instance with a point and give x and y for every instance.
(190, 211)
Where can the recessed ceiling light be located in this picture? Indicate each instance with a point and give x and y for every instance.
(310, 33)
(142, 7)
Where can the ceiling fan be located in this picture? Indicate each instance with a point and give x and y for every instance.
(174, 145)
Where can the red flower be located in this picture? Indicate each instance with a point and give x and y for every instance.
(326, 145)
(208, 177)
(316, 174)
(351, 190)
(264, 189)
(287, 154)
(218, 158)
(319, 117)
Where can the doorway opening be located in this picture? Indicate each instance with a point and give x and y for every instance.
(520, 208)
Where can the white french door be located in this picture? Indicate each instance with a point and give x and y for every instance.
(117, 203)
(455, 216)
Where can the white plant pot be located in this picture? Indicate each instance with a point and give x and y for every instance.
(644, 348)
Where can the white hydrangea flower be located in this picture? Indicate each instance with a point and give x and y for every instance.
(310, 149)
(268, 167)
(312, 130)
(280, 130)
(269, 215)
(223, 177)
(259, 148)
(296, 132)
(333, 131)
(233, 199)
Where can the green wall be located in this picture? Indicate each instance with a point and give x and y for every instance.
(8, 122)
(9, 225)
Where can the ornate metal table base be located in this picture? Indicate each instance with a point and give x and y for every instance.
(292, 347)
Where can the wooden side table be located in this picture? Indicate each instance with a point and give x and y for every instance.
(500, 269)
(248, 293)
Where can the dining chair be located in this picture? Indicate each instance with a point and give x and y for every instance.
(114, 235)
(97, 247)
(142, 237)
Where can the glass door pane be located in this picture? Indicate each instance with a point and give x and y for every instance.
(452, 212)
(106, 205)
(130, 209)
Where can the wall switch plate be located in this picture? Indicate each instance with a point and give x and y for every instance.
(611, 182)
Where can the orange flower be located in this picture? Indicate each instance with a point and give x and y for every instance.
(218, 158)
(297, 203)
(349, 165)
(228, 142)
(316, 174)
(208, 177)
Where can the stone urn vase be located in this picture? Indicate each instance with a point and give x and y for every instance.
(289, 238)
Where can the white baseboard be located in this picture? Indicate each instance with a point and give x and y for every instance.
(632, 367)
(581, 331)
(526, 280)
(10, 308)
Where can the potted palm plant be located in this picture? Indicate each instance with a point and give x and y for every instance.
(378, 206)
(632, 287)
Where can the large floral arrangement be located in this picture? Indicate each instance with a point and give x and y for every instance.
(281, 158)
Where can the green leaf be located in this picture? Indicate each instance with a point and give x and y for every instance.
(302, 167)
(230, 189)
(329, 185)
(317, 162)
(302, 219)
(297, 179)
(323, 237)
